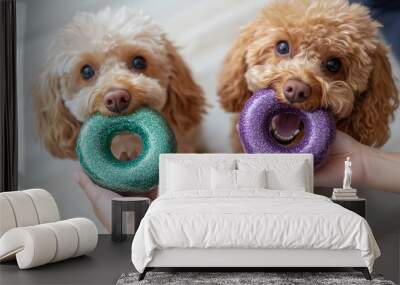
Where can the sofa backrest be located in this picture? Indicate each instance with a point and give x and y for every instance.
(26, 208)
(285, 162)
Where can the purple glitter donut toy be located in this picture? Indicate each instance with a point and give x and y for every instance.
(269, 126)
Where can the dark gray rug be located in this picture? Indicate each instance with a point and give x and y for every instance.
(243, 278)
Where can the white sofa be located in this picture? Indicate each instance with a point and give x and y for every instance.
(31, 231)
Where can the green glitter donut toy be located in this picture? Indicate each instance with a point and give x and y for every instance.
(138, 175)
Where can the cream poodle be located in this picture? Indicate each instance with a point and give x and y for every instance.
(113, 62)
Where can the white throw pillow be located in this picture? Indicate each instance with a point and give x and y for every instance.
(182, 178)
(251, 178)
(281, 174)
(231, 180)
(187, 174)
(293, 179)
(223, 179)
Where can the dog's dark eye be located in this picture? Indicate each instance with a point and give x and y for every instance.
(333, 65)
(282, 48)
(87, 72)
(139, 63)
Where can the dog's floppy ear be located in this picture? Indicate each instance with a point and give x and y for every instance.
(232, 86)
(185, 104)
(372, 113)
(56, 126)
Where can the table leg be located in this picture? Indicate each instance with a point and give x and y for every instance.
(140, 211)
(116, 232)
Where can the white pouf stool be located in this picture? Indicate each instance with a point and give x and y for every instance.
(31, 230)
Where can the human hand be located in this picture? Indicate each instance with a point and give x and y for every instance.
(330, 173)
(101, 198)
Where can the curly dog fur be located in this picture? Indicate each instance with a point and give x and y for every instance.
(108, 41)
(362, 95)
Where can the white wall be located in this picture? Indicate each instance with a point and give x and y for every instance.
(205, 30)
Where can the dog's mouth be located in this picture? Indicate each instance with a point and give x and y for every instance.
(126, 146)
(287, 128)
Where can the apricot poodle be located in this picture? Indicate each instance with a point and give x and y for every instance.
(314, 54)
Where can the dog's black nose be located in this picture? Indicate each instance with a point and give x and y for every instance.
(117, 100)
(296, 91)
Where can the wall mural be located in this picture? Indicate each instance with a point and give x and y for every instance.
(105, 90)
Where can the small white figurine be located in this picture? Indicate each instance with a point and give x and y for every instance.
(347, 174)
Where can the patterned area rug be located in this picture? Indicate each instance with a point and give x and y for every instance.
(243, 278)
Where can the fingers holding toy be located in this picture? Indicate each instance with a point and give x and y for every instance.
(374, 168)
(269, 126)
(130, 168)
(99, 197)
(330, 174)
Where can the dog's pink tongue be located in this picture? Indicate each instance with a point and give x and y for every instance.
(286, 124)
